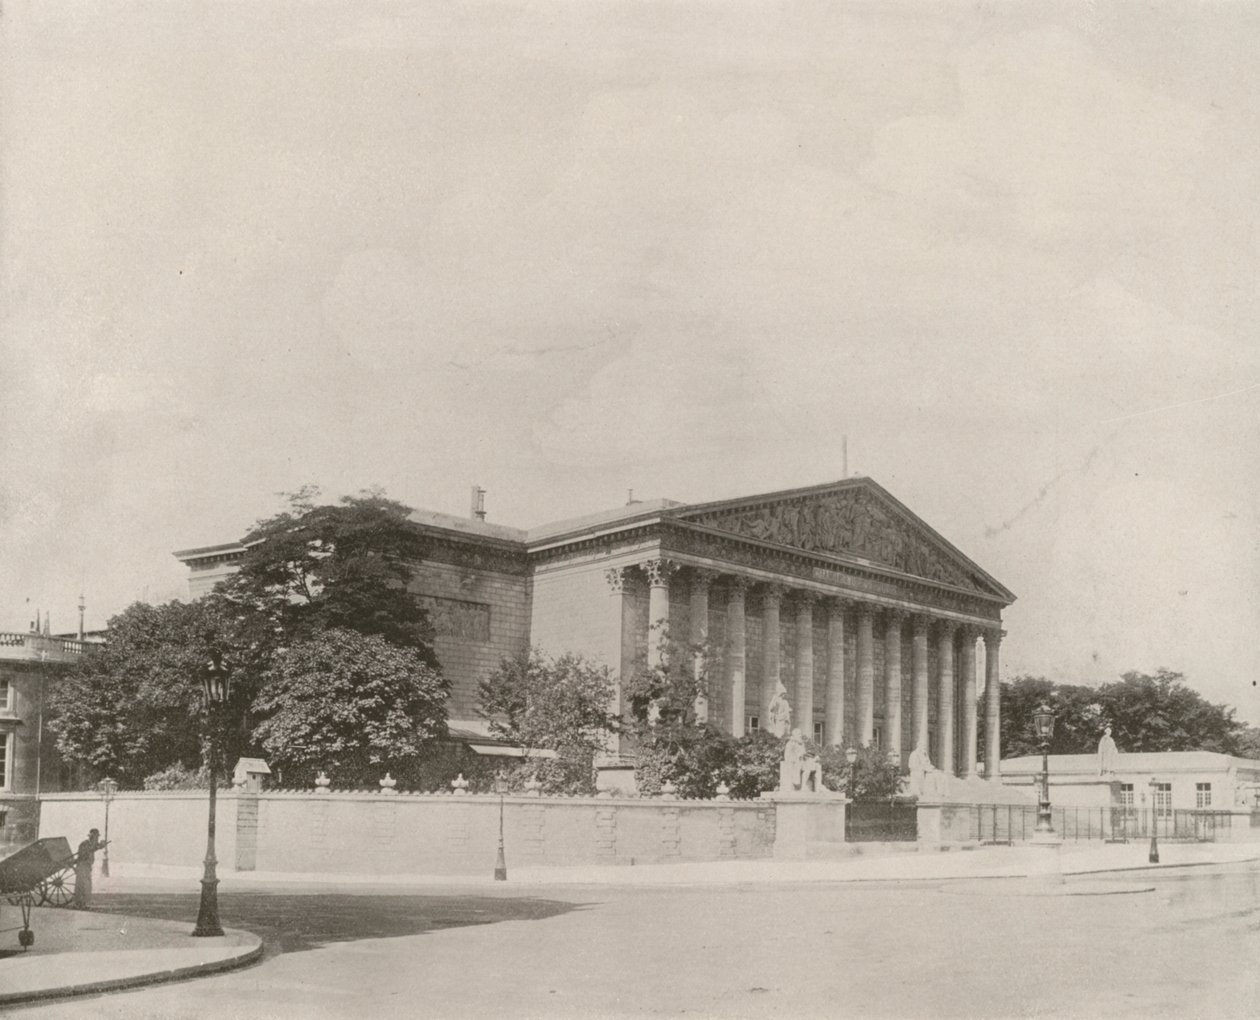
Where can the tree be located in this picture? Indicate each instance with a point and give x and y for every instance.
(876, 776)
(311, 569)
(667, 691)
(134, 706)
(1147, 712)
(351, 704)
(555, 704)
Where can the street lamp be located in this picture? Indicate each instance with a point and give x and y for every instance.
(500, 864)
(215, 681)
(107, 788)
(850, 755)
(1043, 723)
(1153, 856)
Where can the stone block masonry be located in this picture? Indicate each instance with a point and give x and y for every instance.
(358, 833)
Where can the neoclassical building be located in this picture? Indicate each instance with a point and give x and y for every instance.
(874, 623)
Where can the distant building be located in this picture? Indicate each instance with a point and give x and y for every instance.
(868, 617)
(29, 663)
(1184, 780)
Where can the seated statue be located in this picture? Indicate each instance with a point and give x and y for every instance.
(799, 772)
(924, 779)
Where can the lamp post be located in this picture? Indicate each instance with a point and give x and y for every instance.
(850, 755)
(1043, 722)
(107, 788)
(1153, 856)
(215, 680)
(500, 864)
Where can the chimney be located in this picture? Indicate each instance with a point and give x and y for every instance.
(630, 497)
(47, 623)
(82, 606)
(479, 502)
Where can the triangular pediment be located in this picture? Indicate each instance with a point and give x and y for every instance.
(853, 519)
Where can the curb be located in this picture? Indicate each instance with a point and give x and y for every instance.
(250, 955)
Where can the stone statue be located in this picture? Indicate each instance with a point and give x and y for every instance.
(1108, 754)
(779, 717)
(924, 779)
(799, 772)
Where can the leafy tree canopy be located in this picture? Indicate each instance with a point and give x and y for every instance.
(314, 568)
(351, 704)
(538, 701)
(133, 706)
(1147, 712)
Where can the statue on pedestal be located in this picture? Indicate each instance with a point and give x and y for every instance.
(799, 772)
(779, 716)
(1108, 754)
(924, 781)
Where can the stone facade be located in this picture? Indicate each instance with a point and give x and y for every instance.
(29, 662)
(868, 617)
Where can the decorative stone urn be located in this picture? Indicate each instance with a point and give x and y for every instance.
(388, 784)
(459, 785)
(322, 782)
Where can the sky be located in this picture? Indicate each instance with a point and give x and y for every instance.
(564, 250)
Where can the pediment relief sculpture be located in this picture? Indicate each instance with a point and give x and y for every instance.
(852, 522)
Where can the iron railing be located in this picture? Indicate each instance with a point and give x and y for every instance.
(1013, 823)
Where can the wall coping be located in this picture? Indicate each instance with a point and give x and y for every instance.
(376, 795)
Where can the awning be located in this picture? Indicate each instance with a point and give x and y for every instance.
(507, 751)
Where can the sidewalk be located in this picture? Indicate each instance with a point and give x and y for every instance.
(84, 952)
(886, 866)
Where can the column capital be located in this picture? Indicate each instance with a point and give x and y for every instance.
(771, 592)
(702, 577)
(737, 583)
(894, 615)
(865, 610)
(968, 632)
(993, 637)
(836, 605)
(804, 597)
(946, 628)
(616, 578)
(658, 571)
(922, 623)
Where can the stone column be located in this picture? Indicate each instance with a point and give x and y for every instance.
(700, 583)
(865, 675)
(892, 681)
(833, 720)
(618, 588)
(771, 597)
(945, 698)
(736, 648)
(920, 667)
(992, 706)
(658, 571)
(967, 663)
(803, 710)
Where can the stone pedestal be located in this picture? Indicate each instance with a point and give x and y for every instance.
(804, 818)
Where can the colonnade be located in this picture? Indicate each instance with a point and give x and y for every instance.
(956, 696)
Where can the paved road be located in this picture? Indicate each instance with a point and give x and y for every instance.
(973, 949)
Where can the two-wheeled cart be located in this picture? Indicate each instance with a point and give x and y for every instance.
(41, 872)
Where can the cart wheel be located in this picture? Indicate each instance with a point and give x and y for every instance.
(58, 889)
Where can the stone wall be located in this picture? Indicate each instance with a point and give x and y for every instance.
(480, 616)
(419, 834)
